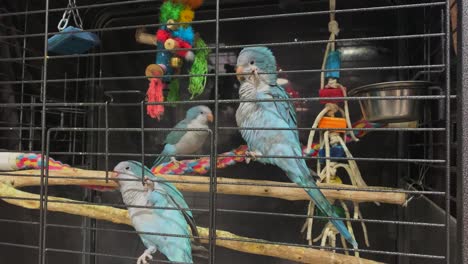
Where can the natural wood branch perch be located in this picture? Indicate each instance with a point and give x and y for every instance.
(120, 216)
(225, 186)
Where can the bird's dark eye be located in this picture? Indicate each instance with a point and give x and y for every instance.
(127, 168)
(201, 113)
(252, 62)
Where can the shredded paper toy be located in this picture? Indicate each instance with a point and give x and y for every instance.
(335, 124)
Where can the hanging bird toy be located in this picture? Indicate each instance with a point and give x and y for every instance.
(174, 40)
(334, 135)
(71, 40)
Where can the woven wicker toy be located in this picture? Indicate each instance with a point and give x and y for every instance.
(333, 137)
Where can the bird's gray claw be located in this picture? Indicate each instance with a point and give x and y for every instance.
(173, 160)
(149, 184)
(143, 259)
(251, 155)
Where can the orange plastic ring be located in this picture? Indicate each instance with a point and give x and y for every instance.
(333, 123)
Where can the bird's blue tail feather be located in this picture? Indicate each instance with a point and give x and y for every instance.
(168, 150)
(160, 160)
(324, 205)
(300, 174)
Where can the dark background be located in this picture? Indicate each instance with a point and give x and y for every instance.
(371, 53)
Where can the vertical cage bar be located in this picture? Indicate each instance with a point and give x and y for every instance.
(106, 143)
(75, 117)
(462, 133)
(32, 122)
(42, 234)
(23, 72)
(214, 150)
(142, 126)
(45, 161)
(447, 131)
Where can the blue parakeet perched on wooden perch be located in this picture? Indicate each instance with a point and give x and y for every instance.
(252, 64)
(180, 142)
(171, 224)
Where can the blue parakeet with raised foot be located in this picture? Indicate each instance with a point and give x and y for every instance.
(187, 142)
(256, 70)
(169, 224)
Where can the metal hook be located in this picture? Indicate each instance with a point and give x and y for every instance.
(77, 19)
(63, 23)
(72, 9)
(76, 16)
(407, 201)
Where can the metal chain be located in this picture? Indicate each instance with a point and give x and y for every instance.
(71, 10)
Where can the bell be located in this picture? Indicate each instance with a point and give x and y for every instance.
(176, 62)
(335, 180)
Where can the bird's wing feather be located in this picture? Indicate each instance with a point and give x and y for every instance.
(168, 150)
(285, 108)
(187, 214)
(167, 186)
(171, 222)
(175, 194)
(174, 136)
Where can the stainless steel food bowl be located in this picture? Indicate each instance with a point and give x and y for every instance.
(391, 110)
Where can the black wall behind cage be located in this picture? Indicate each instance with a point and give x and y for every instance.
(380, 41)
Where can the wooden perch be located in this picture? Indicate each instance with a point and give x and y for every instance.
(225, 186)
(120, 216)
(454, 23)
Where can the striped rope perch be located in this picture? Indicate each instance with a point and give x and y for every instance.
(23, 161)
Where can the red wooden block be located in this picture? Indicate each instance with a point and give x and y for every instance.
(331, 92)
(162, 35)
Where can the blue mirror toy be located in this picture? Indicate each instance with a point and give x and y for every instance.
(71, 40)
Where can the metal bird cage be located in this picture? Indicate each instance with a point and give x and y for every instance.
(88, 110)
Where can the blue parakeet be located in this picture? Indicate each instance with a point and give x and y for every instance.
(169, 223)
(256, 69)
(187, 142)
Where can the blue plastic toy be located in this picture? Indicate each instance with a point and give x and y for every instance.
(71, 40)
(336, 151)
(333, 63)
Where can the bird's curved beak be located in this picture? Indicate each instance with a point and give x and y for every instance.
(210, 117)
(239, 73)
(113, 176)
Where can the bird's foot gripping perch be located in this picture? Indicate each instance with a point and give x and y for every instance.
(175, 161)
(147, 255)
(149, 184)
(252, 155)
